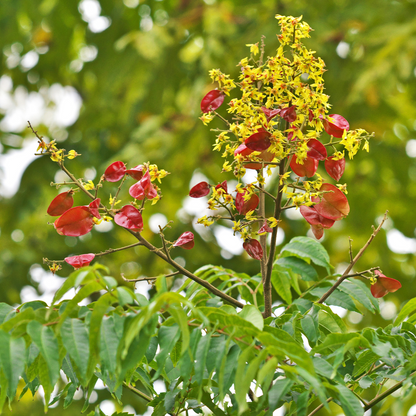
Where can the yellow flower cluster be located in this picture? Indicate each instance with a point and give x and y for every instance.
(155, 173)
(352, 141)
(281, 106)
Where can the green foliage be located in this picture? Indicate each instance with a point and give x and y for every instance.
(207, 353)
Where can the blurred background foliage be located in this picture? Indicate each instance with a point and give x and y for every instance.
(123, 79)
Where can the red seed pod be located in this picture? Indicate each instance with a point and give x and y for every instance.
(115, 172)
(93, 206)
(253, 248)
(289, 114)
(335, 168)
(136, 172)
(309, 167)
(266, 156)
(270, 114)
(334, 204)
(265, 228)
(223, 185)
(212, 101)
(245, 206)
(143, 188)
(318, 222)
(129, 217)
(259, 141)
(61, 203)
(199, 190)
(337, 126)
(75, 222)
(384, 285)
(186, 241)
(80, 261)
(316, 150)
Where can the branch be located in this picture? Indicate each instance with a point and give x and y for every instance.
(143, 279)
(389, 391)
(138, 392)
(352, 263)
(152, 248)
(102, 253)
(267, 288)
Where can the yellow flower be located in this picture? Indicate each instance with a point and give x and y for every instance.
(55, 267)
(205, 221)
(207, 118)
(89, 185)
(106, 218)
(57, 156)
(254, 48)
(112, 202)
(273, 222)
(72, 154)
(97, 221)
(226, 167)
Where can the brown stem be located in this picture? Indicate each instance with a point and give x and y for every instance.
(186, 272)
(143, 279)
(102, 253)
(138, 392)
(352, 263)
(263, 238)
(262, 190)
(389, 391)
(267, 287)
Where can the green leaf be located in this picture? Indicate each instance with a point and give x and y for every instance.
(300, 267)
(281, 283)
(309, 250)
(216, 353)
(182, 320)
(364, 362)
(302, 404)
(108, 346)
(201, 358)
(333, 341)
(100, 308)
(13, 360)
(330, 320)
(168, 336)
(310, 327)
(44, 338)
(68, 369)
(72, 389)
(407, 309)
(82, 294)
(252, 314)
(136, 350)
(349, 402)
(21, 317)
(70, 282)
(279, 389)
(5, 310)
(357, 293)
(75, 338)
(125, 295)
(245, 375)
(227, 371)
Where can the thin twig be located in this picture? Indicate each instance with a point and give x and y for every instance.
(352, 263)
(102, 253)
(138, 392)
(261, 189)
(142, 279)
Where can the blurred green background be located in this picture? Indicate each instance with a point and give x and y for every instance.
(123, 79)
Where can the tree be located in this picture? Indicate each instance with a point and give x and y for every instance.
(212, 354)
